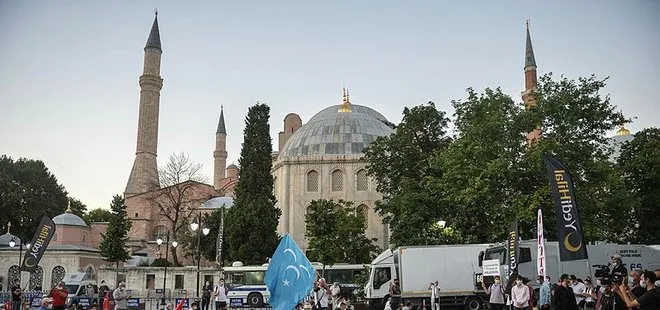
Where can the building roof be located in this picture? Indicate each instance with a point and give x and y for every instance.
(69, 219)
(4, 240)
(154, 36)
(334, 131)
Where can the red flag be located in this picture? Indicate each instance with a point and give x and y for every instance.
(106, 301)
(179, 306)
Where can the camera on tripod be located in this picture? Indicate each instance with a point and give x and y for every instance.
(606, 278)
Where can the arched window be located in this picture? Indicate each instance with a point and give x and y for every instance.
(159, 231)
(337, 180)
(37, 279)
(312, 181)
(84, 237)
(13, 275)
(364, 209)
(57, 275)
(361, 180)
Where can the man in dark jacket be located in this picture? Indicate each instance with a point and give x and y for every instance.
(564, 296)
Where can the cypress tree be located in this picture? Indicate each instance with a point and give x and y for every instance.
(252, 221)
(113, 246)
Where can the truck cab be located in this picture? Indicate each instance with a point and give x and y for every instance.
(76, 284)
(382, 269)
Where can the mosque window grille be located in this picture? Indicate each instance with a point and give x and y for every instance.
(364, 209)
(361, 180)
(57, 275)
(337, 181)
(159, 232)
(37, 279)
(313, 181)
(13, 275)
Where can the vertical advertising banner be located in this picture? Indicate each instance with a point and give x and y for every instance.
(540, 251)
(569, 229)
(513, 249)
(220, 239)
(39, 243)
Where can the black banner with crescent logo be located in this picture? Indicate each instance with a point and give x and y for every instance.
(39, 243)
(569, 228)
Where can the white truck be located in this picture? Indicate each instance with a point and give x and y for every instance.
(455, 267)
(634, 256)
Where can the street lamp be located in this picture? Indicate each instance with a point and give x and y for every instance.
(442, 223)
(159, 241)
(194, 226)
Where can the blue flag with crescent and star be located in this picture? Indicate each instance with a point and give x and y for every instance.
(290, 275)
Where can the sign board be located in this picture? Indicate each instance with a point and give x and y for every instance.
(491, 267)
(186, 303)
(85, 303)
(236, 302)
(35, 302)
(133, 302)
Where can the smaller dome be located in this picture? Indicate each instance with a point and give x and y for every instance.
(70, 219)
(232, 166)
(623, 131)
(4, 240)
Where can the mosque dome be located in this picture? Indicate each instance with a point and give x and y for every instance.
(69, 219)
(6, 238)
(337, 130)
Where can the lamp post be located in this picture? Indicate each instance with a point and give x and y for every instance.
(195, 227)
(159, 241)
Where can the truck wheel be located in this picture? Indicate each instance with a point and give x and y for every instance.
(473, 303)
(255, 300)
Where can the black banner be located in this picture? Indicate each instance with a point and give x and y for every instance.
(569, 229)
(40, 242)
(512, 253)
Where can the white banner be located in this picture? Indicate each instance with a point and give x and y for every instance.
(491, 267)
(540, 257)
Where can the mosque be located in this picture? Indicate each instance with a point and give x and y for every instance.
(317, 159)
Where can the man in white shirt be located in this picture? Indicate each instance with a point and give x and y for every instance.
(520, 295)
(220, 295)
(435, 295)
(578, 289)
(321, 295)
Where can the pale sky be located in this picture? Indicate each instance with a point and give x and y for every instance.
(69, 69)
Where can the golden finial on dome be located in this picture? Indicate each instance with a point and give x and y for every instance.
(68, 209)
(623, 131)
(346, 103)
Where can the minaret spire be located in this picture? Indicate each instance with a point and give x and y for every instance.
(531, 81)
(220, 153)
(144, 175)
(221, 122)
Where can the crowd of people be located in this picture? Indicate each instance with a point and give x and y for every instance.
(618, 290)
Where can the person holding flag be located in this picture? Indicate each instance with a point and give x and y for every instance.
(290, 275)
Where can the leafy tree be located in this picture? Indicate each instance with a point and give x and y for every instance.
(252, 221)
(480, 166)
(77, 207)
(400, 164)
(97, 215)
(336, 233)
(174, 200)
(113, 245)
(639, 164)
(28, 192)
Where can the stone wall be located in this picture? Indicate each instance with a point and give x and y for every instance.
(144, 281)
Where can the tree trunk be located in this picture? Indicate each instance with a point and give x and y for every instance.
(117, 275)
(175, 258)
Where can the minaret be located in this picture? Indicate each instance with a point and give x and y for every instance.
(144, 175)
(220, 153)
(530, 82)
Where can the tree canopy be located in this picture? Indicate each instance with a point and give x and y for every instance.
(486, 174)
(336, 233)
(252, 221)
(29, 191)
